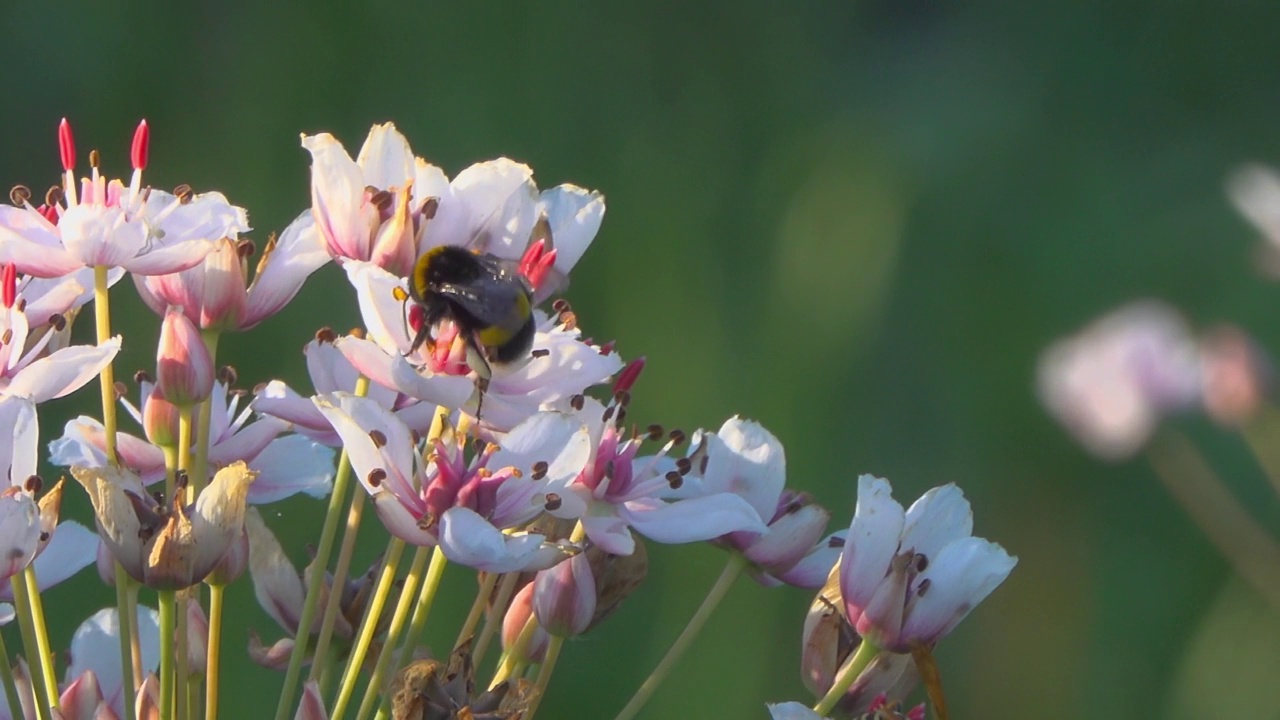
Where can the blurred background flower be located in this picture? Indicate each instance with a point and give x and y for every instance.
(859, 223)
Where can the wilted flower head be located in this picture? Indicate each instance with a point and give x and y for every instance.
(173, 546)
(907, 578)
(106, 223)
(430, 689)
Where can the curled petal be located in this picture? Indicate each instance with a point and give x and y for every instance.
(872, 542)
(468, 539)
(63, 371)
(691, 520)
(962, 575)
(283, 268)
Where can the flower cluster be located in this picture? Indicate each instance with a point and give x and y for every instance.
(524, 470)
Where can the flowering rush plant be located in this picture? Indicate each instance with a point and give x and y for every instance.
(511, 455)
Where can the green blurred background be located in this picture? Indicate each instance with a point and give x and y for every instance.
(856, 222)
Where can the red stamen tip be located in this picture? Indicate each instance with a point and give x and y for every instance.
(627, 378)
(66, 145)
(9, 293)
(141, 146)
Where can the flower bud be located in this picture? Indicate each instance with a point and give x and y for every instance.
(518, 614)
(184, 368)
(1236, 375)
(81, 698)
(160, 420)
(146, 703)
(312, 705)
(564, 597)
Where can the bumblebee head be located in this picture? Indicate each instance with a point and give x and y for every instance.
(444, 264)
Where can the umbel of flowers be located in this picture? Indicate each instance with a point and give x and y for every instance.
(532, 474)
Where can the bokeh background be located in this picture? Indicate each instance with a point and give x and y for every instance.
(856, 222)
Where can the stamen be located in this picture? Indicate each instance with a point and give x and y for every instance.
(921, 562)
(120, 389)
(184, 193)
(655, 432)
(835, 541)
(376, 476)
(553, 502)
(627, 378)
(622, 397)
(674, 479)
(683, 466)
(326, 335)
(561, 306)
(577, 401)
(95, 159)
(7, 337)
(22, 307)
(378, 438)
(539, 470)
(540, 353)
(923, 587)
(569, 320)
(702, 465)
(54, 196)
(19, 195)
(56, 320)
(257, 389)
(357, 333)
(245, 249)
(430, 207)
(66, 146)
(141, 148)
(44, 536)
(142, 376)
(33, 484)
(228, 375)
(608, 413)
(382, 200)
(622, 417)
(677, 437)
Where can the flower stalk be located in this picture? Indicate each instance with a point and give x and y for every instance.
(368, 626)
(10, 686)
(399, 617)
(102, 318)
(168, 626)
(26, 626)
(853, 667)
(214, 652)
(36, 608)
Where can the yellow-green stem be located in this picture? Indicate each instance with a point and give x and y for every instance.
(184, 453)
(494, 617)
(168, 625)
(10, 687)
(732, 569)
(327, 534)
(182, 658)
(125, 617)
(398, 619)
(102, 321)
(435, 572)
(368, 626)
(853, 667)
(487, 583)
(515, 658)
(341, 569)
(199, 469)
(544, 675)
(214, 652)
(30, 647)
(42, 633)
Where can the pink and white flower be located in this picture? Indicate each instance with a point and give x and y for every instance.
(908, 577)
(94, 675)
(108, 224)
(439, 496)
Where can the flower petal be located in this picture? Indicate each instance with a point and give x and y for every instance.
(940, 516)
(871, 544)
(691, 520)
(290, 465)
(299, 252)
(962, 575)
(468, 539)
(96, 646)
(64, 371)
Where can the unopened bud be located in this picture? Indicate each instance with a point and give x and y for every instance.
(160, 419)
(184, 369)
(519, 613)
(564, 597)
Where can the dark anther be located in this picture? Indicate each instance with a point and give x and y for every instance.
(378, 438)
(53, 195)
(228, 375)
(622, 416)
(142, 376)
(381, 200)
(44, 536)
(924, 587)
(656, 432)
(702, 465)
(553, 502)
(95, 159)
(120, 389)
(684, 465)
(835, 541)
(22, 307)
(415, 436)
(19, 195)
(577, 401)
(430, 207)
(677, 437)
(622, 397)
(922, 562)
(561, 305)
(793, 507)
(357, 333)
(57, 321)
(181, 479)
(539, 470)
(608, 413)
(376, 476)
(33, 484)
(326, 335)
(184, 193)
(540, 353)
(158, 497)
(246, 248)
(7, 337)
(674, 480)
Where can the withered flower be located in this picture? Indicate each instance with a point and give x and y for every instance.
(167, 546)
(432, 690)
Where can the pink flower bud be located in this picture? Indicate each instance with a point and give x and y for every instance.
(564, 597)
(184, 368)
(160, 420)
(518, 614)
(81, 698)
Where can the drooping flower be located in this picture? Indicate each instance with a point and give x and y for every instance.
(440, 496)
(908, 577)
(560, 366)
(285, 464)
(108, 224)
(166, 546)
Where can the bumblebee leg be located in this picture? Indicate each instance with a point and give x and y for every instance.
(422, 337)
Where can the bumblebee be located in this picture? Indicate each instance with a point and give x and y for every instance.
(485, 296)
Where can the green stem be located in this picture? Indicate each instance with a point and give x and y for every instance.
(200, 464)
(327, 533)
(717, 593)
(29, 646)
(487, 582)
(125, 619)
(544, 675)
(368, 626)
(853, 667)
(398, 619)
(168, 625)
(494, 617)
(181, 670)
(435, 572)
(214, 652)
(42, 634)
(102, 321)
(515, 657)
(10, 686)
(341, 569)
(183, 461)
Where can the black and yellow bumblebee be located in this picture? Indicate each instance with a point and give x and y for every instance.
(488, 299)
